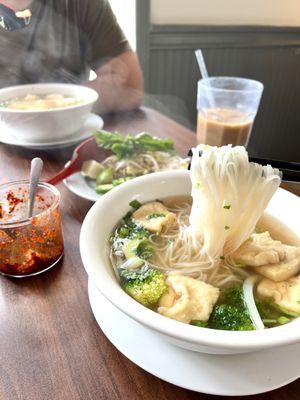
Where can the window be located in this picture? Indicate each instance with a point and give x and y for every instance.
(125, 13)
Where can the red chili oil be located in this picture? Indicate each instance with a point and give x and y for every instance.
(30, 245)
(13, 201)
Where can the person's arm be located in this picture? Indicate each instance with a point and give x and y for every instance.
(119, 83)
(119, 78)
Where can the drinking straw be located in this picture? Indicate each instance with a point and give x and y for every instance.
(201, 63)
(204, 74)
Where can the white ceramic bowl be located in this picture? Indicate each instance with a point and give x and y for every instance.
(97, 228)
(46, 125)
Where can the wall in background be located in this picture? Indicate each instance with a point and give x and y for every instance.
(269, 54)
(226, 12)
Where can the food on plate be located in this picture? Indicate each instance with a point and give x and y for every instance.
(37, 102)
(132, 156)
(201, 259)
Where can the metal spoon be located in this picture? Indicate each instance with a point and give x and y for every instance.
(35, 173)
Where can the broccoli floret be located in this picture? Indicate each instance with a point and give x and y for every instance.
(233, 295)
(231, 313)
(127, 231)
(230, 318)
(200, 324)
(145, 286)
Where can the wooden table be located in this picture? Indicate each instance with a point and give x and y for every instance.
(51, 348)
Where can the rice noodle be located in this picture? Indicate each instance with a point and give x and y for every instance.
(229, 196)
(177, 250)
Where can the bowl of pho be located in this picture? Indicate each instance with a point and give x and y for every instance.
(45, 112)
(207, 258)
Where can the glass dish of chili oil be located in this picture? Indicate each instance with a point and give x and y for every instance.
(29, 246)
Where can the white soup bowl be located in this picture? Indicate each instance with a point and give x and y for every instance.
(97, 229)
(46, 126)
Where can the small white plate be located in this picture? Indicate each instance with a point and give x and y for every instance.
(226, 375)
(82, 187)
(92, 123)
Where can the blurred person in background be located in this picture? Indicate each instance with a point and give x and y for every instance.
(62, 41)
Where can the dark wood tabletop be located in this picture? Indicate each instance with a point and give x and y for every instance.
(51, 347)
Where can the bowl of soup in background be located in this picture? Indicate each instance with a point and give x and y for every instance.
(105, 215)
(50, 121)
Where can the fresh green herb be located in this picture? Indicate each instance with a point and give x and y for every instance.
(135, 204)
(124, 146)
(156, 215)
(226, 227)
(200, 324)
(227, 207)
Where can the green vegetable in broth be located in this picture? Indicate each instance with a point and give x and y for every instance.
(231, 313)
(200, 324)
(141, 248)
(129, 231)
(230, 318)
(145, 286)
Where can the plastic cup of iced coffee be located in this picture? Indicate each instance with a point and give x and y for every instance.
(227, 107)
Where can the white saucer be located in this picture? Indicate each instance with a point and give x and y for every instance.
(92, 123)
(230, 375)
(82, 187)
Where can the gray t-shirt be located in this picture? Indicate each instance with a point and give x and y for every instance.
(64, 40)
